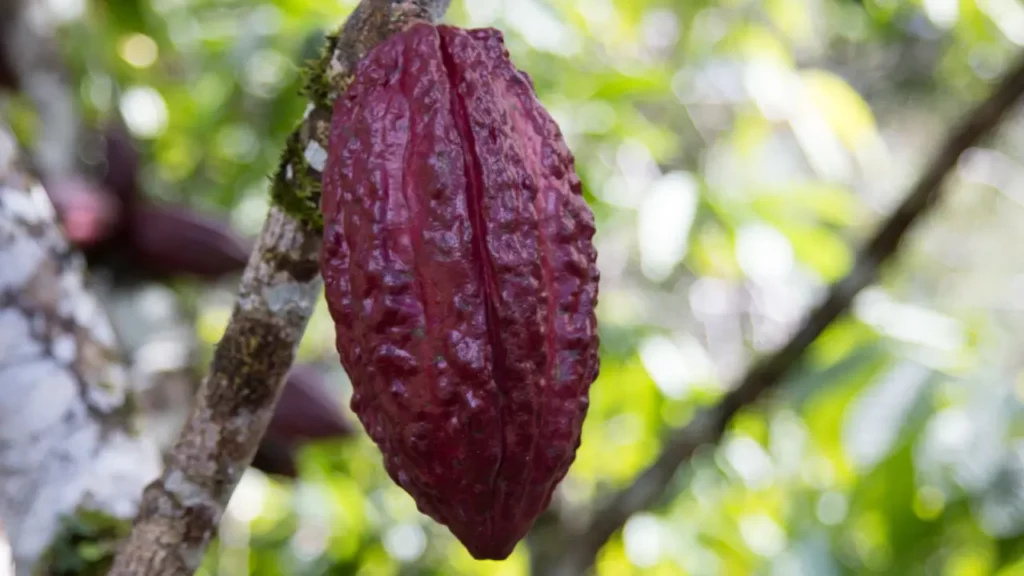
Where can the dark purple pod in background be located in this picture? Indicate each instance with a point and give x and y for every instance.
(306, 412)
(169, 241)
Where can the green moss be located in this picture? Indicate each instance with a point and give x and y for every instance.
(295, 187)
(315, 85)
(85, 545)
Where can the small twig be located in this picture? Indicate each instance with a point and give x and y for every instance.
(575, 551)
(279, 288)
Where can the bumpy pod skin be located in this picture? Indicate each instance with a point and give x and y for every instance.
(461, 276)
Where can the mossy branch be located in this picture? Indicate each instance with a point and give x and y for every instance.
(279, 289)
(296, 182)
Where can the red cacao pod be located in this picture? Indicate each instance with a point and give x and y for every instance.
(461, 276)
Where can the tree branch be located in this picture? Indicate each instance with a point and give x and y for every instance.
(180, 511)
(68, 451)
(575, 550)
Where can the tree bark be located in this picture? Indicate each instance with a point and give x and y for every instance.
(68, 451)
(279, 288)
(563, 551)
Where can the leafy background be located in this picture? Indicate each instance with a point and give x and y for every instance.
(735, 153)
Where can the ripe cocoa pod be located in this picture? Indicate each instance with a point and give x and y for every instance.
(461, 276)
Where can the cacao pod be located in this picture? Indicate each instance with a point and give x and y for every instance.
(164, 241)
(168, 240)
(462, 280)
(307, 410)
(119, 230)
(276, 457)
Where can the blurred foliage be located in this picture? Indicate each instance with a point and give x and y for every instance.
(735, 153)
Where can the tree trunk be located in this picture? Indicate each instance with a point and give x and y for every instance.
(70, 461)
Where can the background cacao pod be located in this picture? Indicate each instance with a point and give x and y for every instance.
(169, 240)
(462, 279)
(306, 412)
(120, 230)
